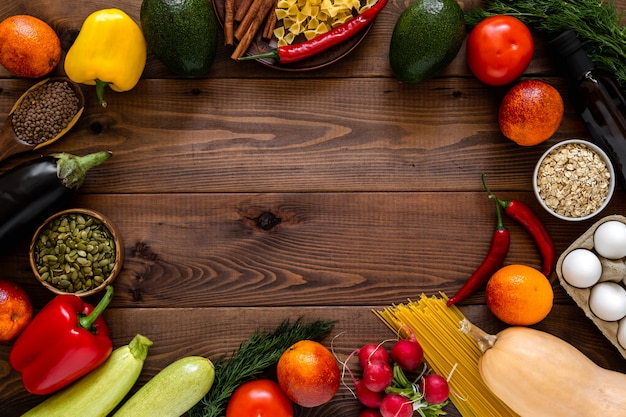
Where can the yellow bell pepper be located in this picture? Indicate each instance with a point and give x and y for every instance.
(110, 49)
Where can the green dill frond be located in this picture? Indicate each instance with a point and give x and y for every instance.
(597, 24)
(254, 356)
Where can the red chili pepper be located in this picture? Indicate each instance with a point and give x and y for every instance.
(67, 339)
(297, 52)
(500, 242)
(524, 215)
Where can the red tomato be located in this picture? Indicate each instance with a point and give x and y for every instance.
(499, 49)
(259, 398)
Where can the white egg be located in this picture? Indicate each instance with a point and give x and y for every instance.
(607, 300)
(581, 268)
(621, 333)
(609, 239)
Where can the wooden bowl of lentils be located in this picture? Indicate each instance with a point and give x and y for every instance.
(47, 111)
(76, 251)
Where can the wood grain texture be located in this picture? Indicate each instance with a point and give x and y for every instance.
(207, 137)
(253, 195)
(277, 249)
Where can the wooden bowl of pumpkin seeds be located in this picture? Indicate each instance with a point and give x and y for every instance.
(76, 251)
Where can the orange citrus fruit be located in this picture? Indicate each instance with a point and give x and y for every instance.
(530, 112)
(308, 373)
(29, 47)
(519, 295)
(16, 310)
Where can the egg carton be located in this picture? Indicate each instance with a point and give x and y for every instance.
(612, 270)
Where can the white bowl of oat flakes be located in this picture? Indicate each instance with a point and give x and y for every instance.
(574, 180)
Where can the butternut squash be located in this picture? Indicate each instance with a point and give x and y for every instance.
(539, 375)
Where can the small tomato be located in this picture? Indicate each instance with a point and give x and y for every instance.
(499, 49)
(259, 398)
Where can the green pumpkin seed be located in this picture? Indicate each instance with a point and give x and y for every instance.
(75, 253)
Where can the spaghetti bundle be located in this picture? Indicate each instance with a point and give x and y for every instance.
(448, 352)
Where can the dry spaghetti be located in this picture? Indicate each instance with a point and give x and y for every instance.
(448, 352)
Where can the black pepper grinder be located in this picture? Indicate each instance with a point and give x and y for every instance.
(596, 96)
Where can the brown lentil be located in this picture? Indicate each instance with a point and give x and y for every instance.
(45, 112)
(75, 253)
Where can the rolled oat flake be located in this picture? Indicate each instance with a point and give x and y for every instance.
(573, 180)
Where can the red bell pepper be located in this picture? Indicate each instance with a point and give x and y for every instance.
(66, 340)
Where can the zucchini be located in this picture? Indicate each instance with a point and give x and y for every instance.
(173, 391)
(101, 390)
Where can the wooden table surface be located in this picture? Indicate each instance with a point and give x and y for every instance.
(375, 186)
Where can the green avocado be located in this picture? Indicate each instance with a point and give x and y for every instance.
(181, 33)
(426, 38)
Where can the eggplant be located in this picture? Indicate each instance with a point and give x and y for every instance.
(36, 189)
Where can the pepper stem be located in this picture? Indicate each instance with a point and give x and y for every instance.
(88, 320)
(499, 202)
(273, 54)
(100, 86)
(499, 221)
(139, 347)
(72, 169)
(484, 340)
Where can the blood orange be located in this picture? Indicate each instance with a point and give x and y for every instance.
(16, 310)
(29, 47)
(308, 373)
(530, 112)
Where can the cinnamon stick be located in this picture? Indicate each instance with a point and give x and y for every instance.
(253, 14)
(242, 10)
(270, 23)
(229, 16)
(256, 20)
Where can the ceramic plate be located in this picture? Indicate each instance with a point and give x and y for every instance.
(260, 46)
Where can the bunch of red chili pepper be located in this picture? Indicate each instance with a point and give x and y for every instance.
(500, 242)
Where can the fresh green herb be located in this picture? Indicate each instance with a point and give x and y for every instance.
(254, 356)
(400, 384)
(597, 24)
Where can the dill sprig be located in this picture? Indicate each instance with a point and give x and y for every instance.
(596, 22)
(261, 351)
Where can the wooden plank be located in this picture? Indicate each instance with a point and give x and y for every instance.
(349, 135)
(330, 248)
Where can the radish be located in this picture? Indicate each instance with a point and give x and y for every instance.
(377, 375)
(396, 405)
(370, 412)
(434, 388)
(372, 352)
(366, 396)
(408, 354)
